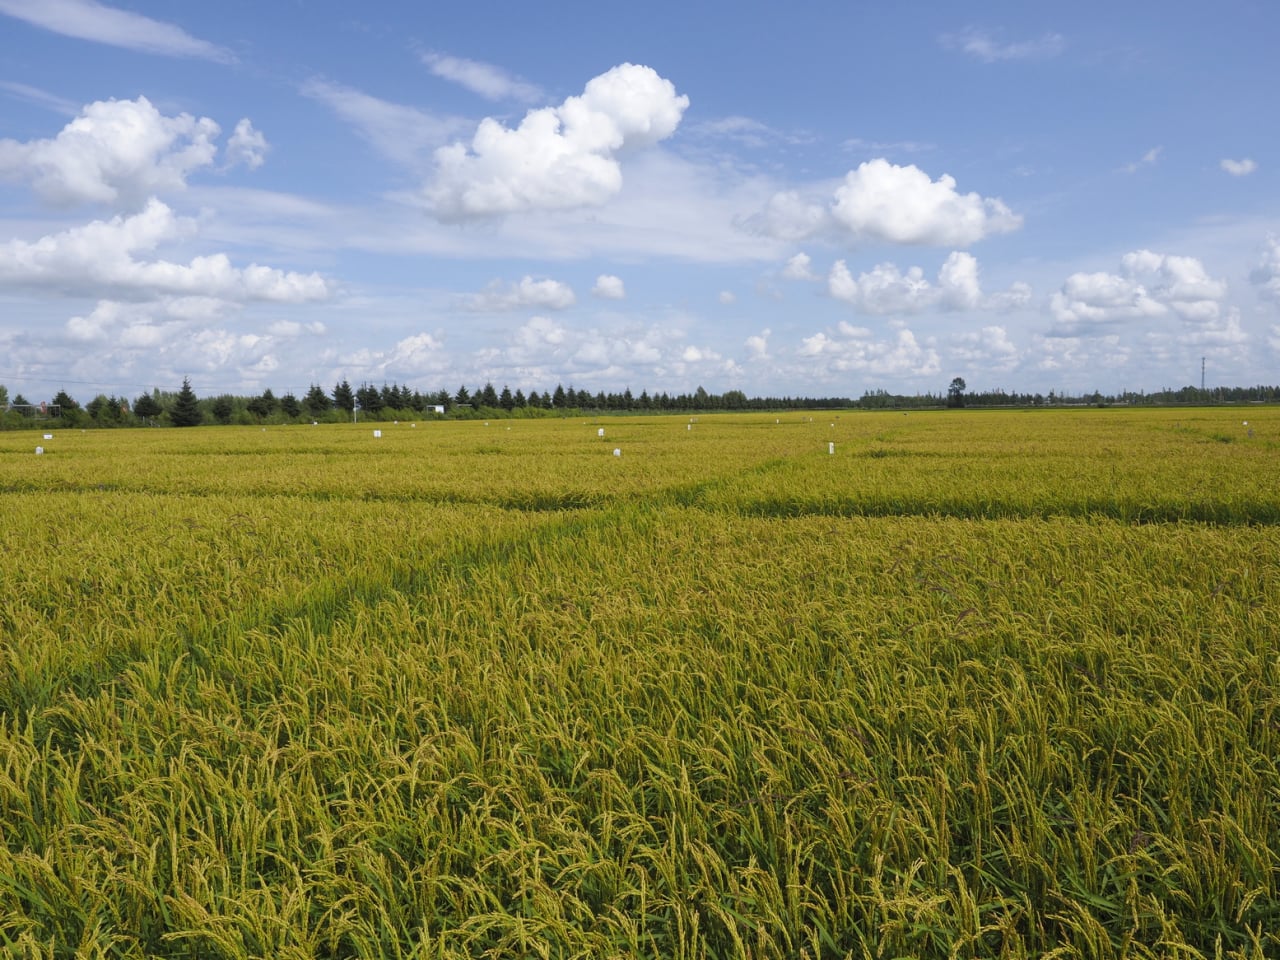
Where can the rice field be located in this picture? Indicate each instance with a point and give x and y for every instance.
(975, 684)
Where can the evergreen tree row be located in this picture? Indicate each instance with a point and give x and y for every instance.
(393, 402)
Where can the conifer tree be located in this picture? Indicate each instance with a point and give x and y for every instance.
(186, 409)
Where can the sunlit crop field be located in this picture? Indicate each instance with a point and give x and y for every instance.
(951, 684)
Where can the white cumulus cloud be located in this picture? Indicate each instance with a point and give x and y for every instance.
(1222, 331)
(1266, 275)
(758, 345)
(151, 340)
(1238, 168)
(1148, 285)
(527, 292)
(799, 268)
(881, 201)
(1017, 296)
(115, 152)
(854, 349)
(958, 286)
(558, 157)
(885, 289)
(421, 351)
(989, 349)
(609, 287)
(414, 356)
(539, 334)
(99, 259)
(247, 146)
(790, 216)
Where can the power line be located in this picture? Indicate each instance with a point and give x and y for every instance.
(21, 378)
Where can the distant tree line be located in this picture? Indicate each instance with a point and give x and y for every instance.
(387, 402)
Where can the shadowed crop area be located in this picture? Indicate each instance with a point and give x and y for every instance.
(971, 685)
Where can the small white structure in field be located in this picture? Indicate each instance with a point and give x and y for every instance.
(831, 448)
(688, 426)
(1246, 423)
(377, 434)
(600, 433)
(49, 436)
(39, 450)
(617, 452)
(315, 423)
(413, 426)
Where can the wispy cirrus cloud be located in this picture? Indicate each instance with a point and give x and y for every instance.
(41, 98)
(748, 132)
(1148, 159)
(485, 79)
(98, 23)
(403, 134)
(985, 46)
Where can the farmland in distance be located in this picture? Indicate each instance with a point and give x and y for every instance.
(947, 684)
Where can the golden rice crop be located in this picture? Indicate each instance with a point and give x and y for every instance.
(975, 685)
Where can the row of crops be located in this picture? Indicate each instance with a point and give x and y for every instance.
(971, 685)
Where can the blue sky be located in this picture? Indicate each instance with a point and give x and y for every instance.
(811, 199)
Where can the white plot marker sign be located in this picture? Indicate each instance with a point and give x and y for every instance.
(617, 452)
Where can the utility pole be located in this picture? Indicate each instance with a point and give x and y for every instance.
(1202, 374)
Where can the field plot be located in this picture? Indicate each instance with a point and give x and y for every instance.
(973, 685)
